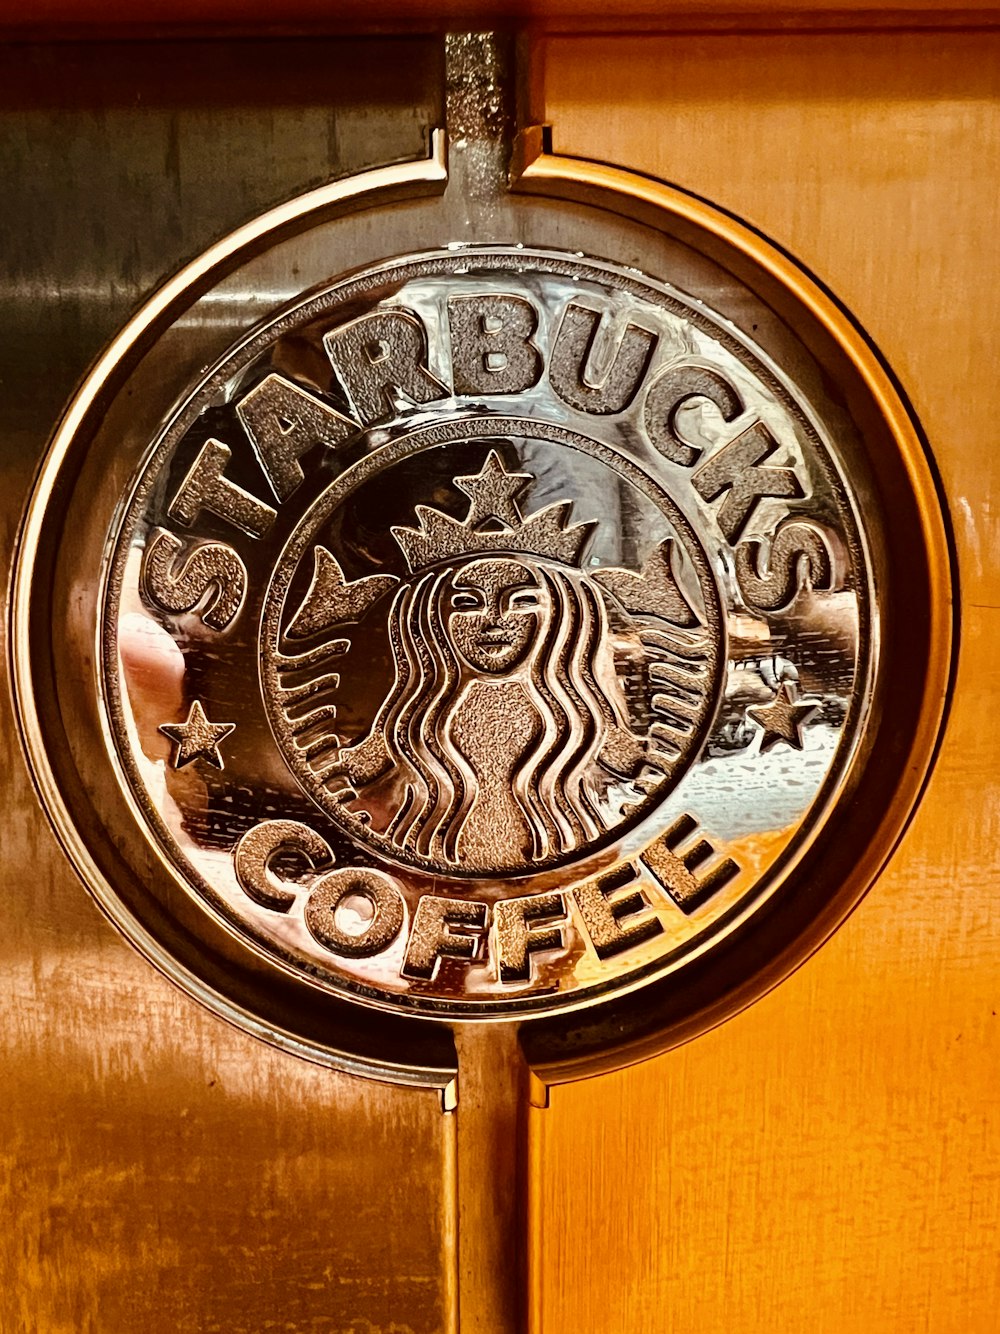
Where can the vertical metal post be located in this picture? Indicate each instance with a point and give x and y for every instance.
(495, 1094)
(493, 116)
(493, 104)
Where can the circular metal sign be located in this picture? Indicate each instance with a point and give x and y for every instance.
(513, 605)
(492, 629)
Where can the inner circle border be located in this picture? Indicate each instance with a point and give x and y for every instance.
(456, 428)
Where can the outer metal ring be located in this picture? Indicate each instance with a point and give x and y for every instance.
(214, 964)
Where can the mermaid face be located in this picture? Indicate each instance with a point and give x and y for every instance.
(497, 608)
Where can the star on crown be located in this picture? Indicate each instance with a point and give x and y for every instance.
(492, 496)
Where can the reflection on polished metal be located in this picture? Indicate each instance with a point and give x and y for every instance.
(495, 587)
(543, 611)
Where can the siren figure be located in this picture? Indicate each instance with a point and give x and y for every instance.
(506, 724)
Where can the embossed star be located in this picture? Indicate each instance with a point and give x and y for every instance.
(782, 719)
(492, 493)
(197, 738)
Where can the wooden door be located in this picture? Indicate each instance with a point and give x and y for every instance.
(828, 1160)
(825, 1161)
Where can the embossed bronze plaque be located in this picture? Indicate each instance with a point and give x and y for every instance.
(493, 588)
(487, 631)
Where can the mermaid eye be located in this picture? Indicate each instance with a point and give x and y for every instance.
(465, 602)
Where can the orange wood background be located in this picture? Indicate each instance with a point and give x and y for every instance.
(829, 1161)
(80, 17)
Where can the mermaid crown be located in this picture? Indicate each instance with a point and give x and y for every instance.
(492, 496)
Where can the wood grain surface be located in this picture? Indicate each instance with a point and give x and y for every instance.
(161, 1172)
(77, 19)
(828, 1161)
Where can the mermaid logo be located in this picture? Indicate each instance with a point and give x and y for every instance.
(507, 740)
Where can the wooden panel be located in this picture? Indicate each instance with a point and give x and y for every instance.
(160, 1172)
(828, 1160)
(824, 1162)
(80, 18)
